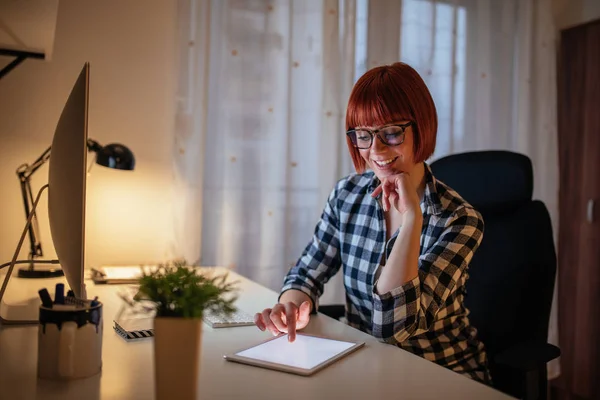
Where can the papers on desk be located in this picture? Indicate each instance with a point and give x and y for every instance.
(119, 274)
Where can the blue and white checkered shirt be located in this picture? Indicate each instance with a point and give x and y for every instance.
(426, 315)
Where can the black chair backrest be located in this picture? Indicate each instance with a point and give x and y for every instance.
(509, 292)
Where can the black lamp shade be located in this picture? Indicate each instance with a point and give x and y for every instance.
(116, 156)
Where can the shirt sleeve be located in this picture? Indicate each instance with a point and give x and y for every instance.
(321, 258)
(412, 308)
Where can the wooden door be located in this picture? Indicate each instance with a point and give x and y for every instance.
(579, 199)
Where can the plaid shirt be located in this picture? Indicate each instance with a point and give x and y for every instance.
(426, 315)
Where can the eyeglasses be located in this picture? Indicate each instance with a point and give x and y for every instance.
(390, 135)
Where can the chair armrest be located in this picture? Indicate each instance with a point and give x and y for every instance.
(527, 356)
(335, 311)
(521, 369)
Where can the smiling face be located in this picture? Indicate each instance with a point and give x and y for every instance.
(391, 94)
(386, 160)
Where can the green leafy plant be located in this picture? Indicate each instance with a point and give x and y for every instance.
(176, 290)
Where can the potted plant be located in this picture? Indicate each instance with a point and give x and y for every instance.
(180, 295)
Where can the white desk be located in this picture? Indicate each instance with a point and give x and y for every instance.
(377, 371)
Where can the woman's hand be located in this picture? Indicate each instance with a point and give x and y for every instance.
(400, 193)
(284, 317)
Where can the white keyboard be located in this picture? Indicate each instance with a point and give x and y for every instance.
(238, 318)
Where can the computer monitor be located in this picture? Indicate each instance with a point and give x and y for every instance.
(67, 184)
(66, 201)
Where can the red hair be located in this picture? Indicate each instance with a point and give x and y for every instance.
(393, 93)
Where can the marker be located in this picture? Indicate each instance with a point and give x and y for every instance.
(45, 297)
(59, 294)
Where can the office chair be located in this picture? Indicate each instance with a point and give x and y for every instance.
(512, 274)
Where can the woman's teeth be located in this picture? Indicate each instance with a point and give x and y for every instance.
(385, 162)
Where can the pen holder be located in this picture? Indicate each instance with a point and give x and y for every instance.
(70, 342)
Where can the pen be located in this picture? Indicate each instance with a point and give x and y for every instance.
(45, 297)
(59, 294)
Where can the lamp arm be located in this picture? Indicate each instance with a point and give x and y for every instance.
(27, 170)
(18, 250)
(24, 172)
(34, 244)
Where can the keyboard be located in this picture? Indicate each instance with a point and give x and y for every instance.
(238, 318)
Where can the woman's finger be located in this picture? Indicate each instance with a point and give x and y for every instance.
(395, 200)
(401, 182)
(390, 188)
(377, 190)
(407, 193)
(266, 316)
(277, 314)
(291, 312)
(259, 322)
(384, 196)
(303, 315)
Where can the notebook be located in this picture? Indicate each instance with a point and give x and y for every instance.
(134, 329)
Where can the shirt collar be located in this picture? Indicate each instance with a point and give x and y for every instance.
(430, 203)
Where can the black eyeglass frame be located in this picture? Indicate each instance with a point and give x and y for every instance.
(375, 132)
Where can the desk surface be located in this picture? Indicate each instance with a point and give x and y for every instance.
(376, 371)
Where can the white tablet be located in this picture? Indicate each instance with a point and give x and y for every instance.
(305, 356)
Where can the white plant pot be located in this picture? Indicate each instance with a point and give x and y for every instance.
(177, 355)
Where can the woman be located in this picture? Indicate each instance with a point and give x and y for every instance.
(403, 238)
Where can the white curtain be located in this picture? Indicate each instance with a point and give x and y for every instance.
(263, 90)
(260, 140)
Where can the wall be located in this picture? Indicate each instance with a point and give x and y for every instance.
(568, 13)
(130, 46)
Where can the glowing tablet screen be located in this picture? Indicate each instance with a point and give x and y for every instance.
(306, 352)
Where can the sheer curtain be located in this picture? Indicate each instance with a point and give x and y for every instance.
(259, 128)
(262, 95)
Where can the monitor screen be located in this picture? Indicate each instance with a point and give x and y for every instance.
(67, 184)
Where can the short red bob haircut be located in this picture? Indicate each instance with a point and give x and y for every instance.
(388, 94)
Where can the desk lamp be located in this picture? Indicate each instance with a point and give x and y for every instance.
(114, 156)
